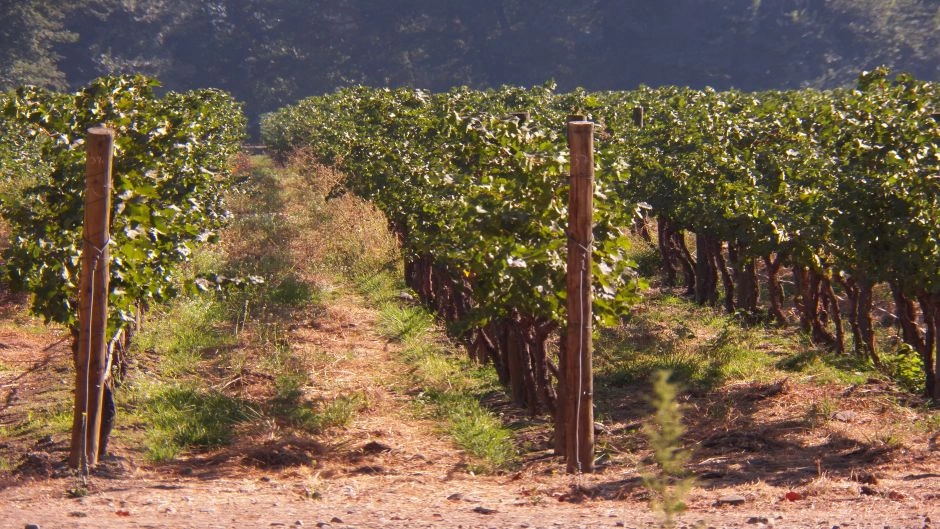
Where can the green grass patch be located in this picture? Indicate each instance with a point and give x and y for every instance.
(50, 419)
(646, 256)
(699, 357)
(405, 324)
(378, 288)
(827, 368)
(183, 333)
(289, 405)
(930, 423)
(474, 429)
(703, 348)
(291, 291)
(820, 411)
(320, 416)
(451, 386)
(184, 416)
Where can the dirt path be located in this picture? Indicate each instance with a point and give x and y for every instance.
(388, 469)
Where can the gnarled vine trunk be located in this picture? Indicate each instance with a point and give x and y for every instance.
(865, 324)
(664, 236)
(706, 276)
(746, 274)
(852, 294)
(930, 307)
(809, 294)
(831, 302)
(726, 279)
(775, 289)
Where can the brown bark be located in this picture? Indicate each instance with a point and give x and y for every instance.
(802, 297)
(493, 334)
(835, 313)
(641, 226)
(748, 286)
(534, 332)
(543, 367)
(930, 306)
(419, 278)
(807, 301)
(775, 289)
(706, 277)
(514, 352)
(477, 348)
(441, 298)
(818, 319)
(865, 324)
(562, 392)
(578, 369)
(726, 280)
(665, 252)
(852, 294)
(684, 257)
(906, 313)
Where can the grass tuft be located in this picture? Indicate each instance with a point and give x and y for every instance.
(406, 324)
(451, 387)
(827, 368)
(704, 348)
(183, 416)
(182, 333)
(474, 429)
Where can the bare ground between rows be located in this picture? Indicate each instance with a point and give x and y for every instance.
(389, 469)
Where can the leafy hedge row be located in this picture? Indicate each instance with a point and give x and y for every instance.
(170, 168)
(840, 188)
(478, 199)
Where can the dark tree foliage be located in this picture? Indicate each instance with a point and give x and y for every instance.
(29, 32)
(269, 53)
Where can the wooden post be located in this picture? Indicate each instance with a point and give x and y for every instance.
(562, 411)
(579, 376)
(638, 116)
(92, 360)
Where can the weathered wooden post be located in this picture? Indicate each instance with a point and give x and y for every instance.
(562, 411)
(91, 364)
(641, 223)
(579, 374)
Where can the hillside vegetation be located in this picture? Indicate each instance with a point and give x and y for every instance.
(268, 54)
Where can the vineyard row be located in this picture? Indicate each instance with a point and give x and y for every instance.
(838, 191)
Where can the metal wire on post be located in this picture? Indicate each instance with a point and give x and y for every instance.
(578, 407)
(91, 347)
(99, 251)
(587, 251)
